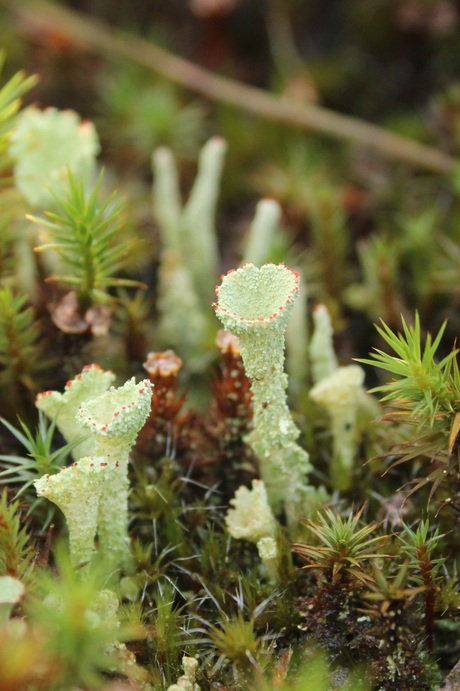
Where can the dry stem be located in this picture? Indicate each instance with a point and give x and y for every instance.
(97, 36)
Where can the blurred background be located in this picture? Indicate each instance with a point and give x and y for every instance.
(374, 236)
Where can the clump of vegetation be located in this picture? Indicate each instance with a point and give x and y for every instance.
(273, 506)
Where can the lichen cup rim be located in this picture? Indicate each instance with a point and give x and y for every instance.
(252, 296)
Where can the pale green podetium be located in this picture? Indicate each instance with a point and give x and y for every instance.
(76, 491)
(323, 360)
(341, 394)
(187, 681)
(255, 304)
(114, 420)
(93, 492)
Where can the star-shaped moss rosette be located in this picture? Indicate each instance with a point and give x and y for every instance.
(63, 407)
(255, 305)
(76, 491)
(114, 420)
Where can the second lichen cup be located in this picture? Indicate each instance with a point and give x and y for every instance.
(255, 304)
(114, 420)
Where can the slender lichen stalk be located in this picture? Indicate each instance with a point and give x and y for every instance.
(341, 394)
(255, 304)
(114, 420)
(189, 264)
(323, 360)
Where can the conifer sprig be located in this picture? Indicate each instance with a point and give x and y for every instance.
(10, 102)
(20, 349)
(85, 232)
(15, 548)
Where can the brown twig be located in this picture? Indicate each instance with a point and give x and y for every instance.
(97, 36)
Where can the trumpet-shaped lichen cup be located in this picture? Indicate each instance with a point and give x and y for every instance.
(76, 491)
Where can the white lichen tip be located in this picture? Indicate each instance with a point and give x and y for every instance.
(267, 548)
(90, 383)
(252, 297)
(251, 518)
(340, 389)
(187, 681)
(119, 412)
(323, 359)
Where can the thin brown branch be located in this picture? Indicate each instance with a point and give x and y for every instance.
(99, 37)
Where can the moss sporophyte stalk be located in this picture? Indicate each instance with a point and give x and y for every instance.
(255, 304)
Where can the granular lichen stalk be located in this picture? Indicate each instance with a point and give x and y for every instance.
(76, 491)
(255, 304)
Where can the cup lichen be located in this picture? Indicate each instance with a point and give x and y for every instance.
(44, 146)
(252, 519)
(114, 420)
(76, 491)
(93, 492)
(255, 304)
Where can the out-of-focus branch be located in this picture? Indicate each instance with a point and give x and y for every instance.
(99, 37)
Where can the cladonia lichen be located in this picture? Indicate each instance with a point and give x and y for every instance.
(93, 492)
(187, 681)
(252, 519)
(76, 491)
(45, 146)
(255, 304)
(341, 394)
(114, 420)
(323, 360)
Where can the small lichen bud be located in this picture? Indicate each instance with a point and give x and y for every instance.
(323, 360)
(251, 517)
